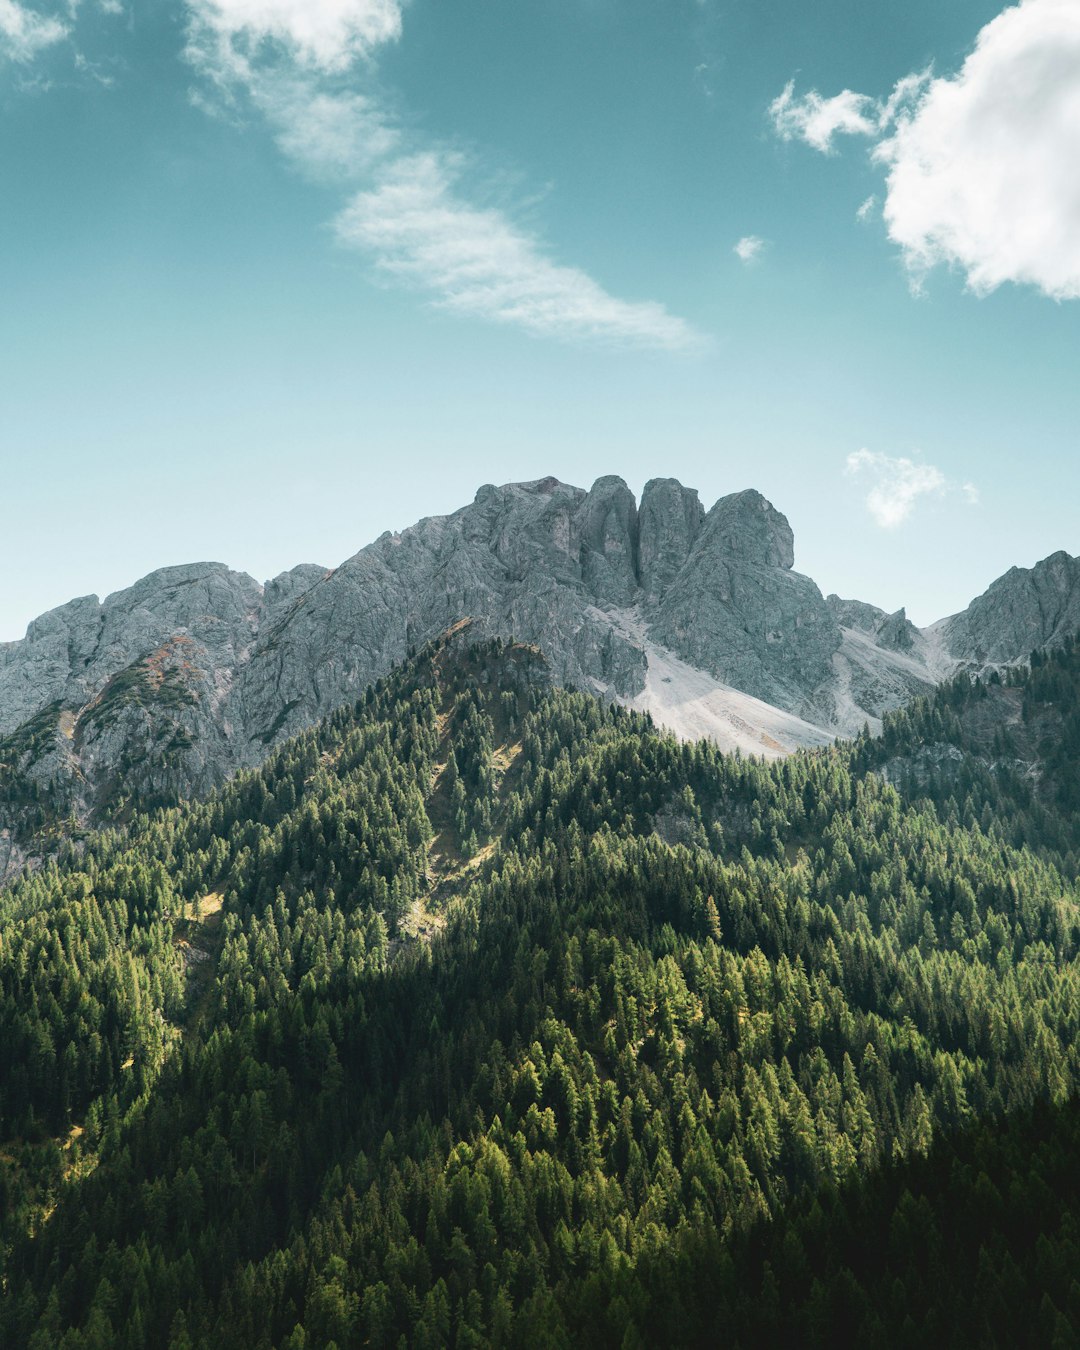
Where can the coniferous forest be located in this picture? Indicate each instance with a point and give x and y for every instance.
(488, 1014)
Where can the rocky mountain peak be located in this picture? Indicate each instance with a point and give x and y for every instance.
(670, 518)
(608, 531)
(169, 686)
(1028, 607)
(892, 632)
(747, 526)
(896, 632)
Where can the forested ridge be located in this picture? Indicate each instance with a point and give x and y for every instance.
(485, 1013)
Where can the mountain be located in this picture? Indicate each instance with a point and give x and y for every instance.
(1025, 610)
(165, 689)
(484, 1014)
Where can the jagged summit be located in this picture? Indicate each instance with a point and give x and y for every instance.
(168, 686)
(1026, 608)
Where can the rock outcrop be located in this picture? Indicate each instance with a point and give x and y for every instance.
(736, 608)
(1027, 608)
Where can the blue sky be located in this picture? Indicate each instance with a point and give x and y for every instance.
(277, 276)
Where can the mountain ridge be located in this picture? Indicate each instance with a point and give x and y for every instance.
(165, 688)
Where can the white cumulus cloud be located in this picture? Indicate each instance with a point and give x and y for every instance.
(985, 173)
(24, 32)
(981, 166)
(896, 484)
(748, 248)
(476, 261)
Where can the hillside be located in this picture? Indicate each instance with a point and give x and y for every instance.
(1001, 749)
(486, 1013)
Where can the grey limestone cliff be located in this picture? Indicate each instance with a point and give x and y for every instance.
(1028, 607)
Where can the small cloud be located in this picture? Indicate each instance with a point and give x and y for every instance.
(866, 210)
(24, 32)
(749, 248)
(897, 484)
(92, 71)
(971, 493)
(703, 75)
(817, 120)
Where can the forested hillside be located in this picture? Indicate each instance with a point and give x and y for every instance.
(1004, 749)
(486, 1014)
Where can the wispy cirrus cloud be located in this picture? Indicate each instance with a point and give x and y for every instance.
(897, 485)
(307, 66)
(980, 165)
(25, 32)
(291, 61)
(317, 35)
(418, 230)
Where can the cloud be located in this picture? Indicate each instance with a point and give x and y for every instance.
(866, 210)
(24, 32)
(325, 35)
(981, 166)
(897, 485)
(748, 248)
(476, 261)
(306, 66)
(334, 136)
(983, 174)
(817, 120)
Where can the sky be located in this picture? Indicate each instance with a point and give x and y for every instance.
(279, 275)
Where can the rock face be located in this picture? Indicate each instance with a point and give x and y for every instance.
(1028, 607)
(737, 609)
(166, 688)
(670, 521)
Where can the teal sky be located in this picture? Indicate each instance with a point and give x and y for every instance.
(226, 333)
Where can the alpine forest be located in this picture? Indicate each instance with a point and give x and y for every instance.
(486, 1013)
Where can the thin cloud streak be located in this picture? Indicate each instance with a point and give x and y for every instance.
(286, 59)
(418, 230)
